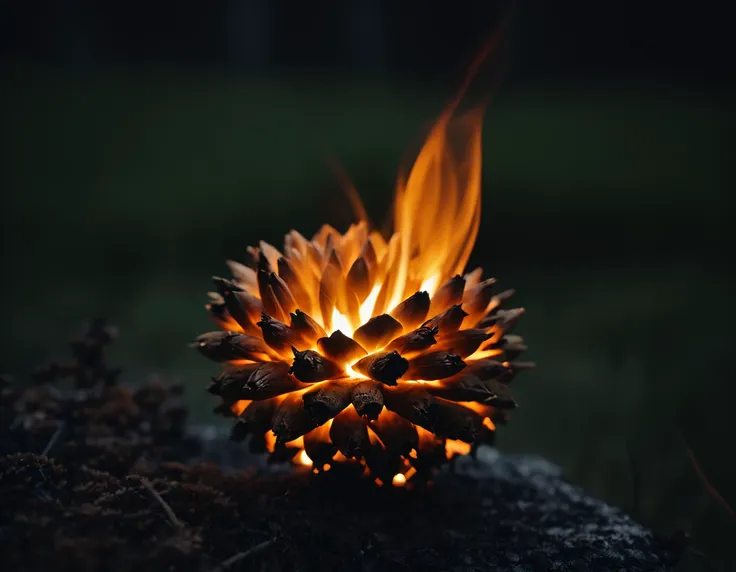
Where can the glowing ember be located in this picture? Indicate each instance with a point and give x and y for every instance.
(303, 459)
(350, 348)
(399, 480)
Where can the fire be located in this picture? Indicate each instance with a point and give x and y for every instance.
(342, 323)
(349, 343)
(366, 308)
(437, 208)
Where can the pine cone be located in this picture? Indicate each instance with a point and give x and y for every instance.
(428, 374)
(350, 349)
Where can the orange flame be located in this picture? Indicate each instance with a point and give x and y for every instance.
(436, 221)
(437, 209)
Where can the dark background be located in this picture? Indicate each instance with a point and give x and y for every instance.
(146, 142)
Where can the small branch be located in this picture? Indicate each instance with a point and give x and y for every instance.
(235, 558)
(175, 522)
(701, 474)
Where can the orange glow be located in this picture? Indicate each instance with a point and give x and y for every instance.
(485, 410)
(296, 443)
(485, 354)
(342, 323)
(399, 480)
(454, 447)
(475, 406)
(239, 406)
(303, 459)
(270, 441)
(340, 458)
(497, 335)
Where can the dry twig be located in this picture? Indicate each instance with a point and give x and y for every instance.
(175, 522)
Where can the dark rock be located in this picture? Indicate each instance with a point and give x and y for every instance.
(496, 512)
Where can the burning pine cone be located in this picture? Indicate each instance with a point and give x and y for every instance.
(381, 355)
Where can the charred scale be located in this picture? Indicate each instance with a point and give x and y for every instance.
(398, 434)
(419, 340)
(229, 384)
(377, 332)
(500, 395)
(451, 292)
(239, 304)
(319, 446)
(350, 434)
(255, 419)
(453, 421)
(269, 380)
(435, 365)
(271, 305)
(303, 325)
(291, 420)
(367, 398)
(412, 311)
(486, 369)
(327, 400)
(413, 403)
(340, 348)
(227, 346)
(449, 321)
(468, 387)
(465, 342)
(277, 335)
(385, 367)
(310, 367)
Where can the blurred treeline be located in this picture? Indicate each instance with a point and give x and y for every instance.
(145, 144)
